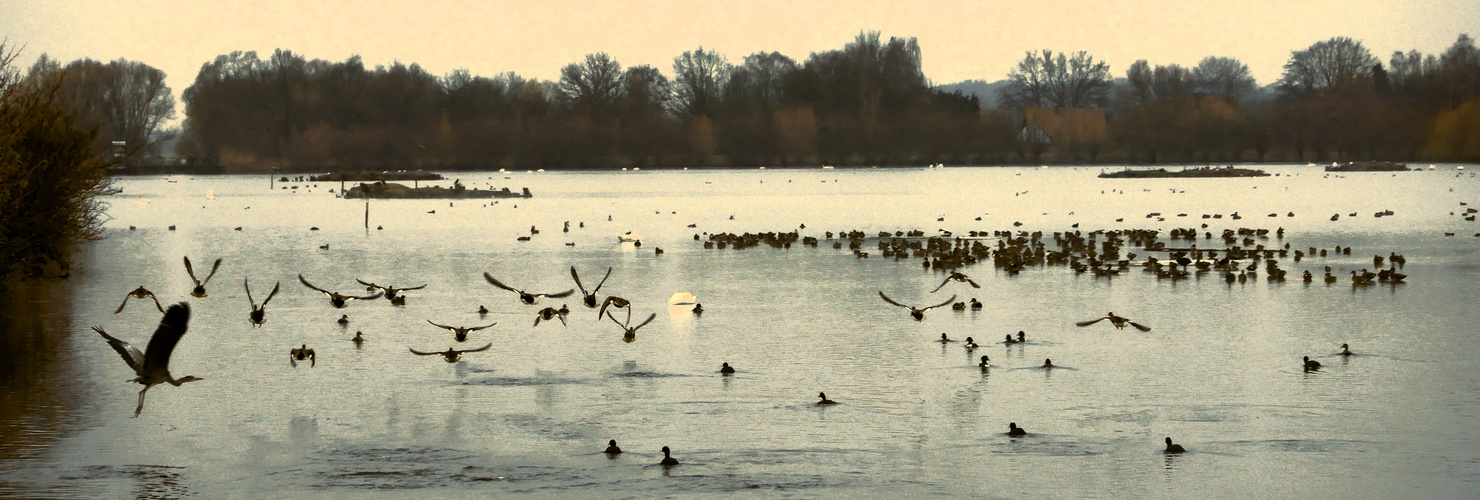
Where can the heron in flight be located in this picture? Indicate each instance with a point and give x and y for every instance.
(335, 298)
(460, 333)
(139, 293)
(527, 298)
(200, 285)
(153, 365)
(589, 298)
(390, 291)
(956, 277)
(452, 354)
(259, 312)
(1118, 321)
(631, 331)
(916, 312)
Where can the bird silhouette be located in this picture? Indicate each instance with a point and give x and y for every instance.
(1118, 321)
(152, 367)
(337, 299)
(956, 277)
(460, 333)
(390, 291)
(589, 298)
(613, 301)
(451, 354)
(916, 312)
(200, 285)
(297, 354)
(139, 293)
(631, 331)
(259, 312)
(526, 297)
(548, 314)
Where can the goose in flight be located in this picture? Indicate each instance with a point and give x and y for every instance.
(613, 301)
(589, 298)
(335, 298)
(391, 292)
(550, 313)
(200, 285)
(297, 354)
(1118, 321)
(139, 293)
(451, 354)
(259, 312)
(916, 312)
(460, 333)
(631, 331)
(956, 277)
(153, 365)
(527, 298)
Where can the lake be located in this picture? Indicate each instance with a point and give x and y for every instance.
(1220, 372)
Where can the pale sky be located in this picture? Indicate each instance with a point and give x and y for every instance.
(959, 39)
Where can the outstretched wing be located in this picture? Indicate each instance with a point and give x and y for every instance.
(131, 354)
(156, 302)
(363, 297)
(171, 328)
(1091, 322)
(272, 294)
(369, 285)
(610, 299)
(559, 295)
(942, 285)
(1139, 326)
(578, 280)
(419, 353)
(891, 301)
(423, 285)
(603, 281)
(442, 326)
(190, 270)
(248, 285)
(480, 349)
(125, 302)
(947, 302)
(476, 328)
(646, 321)
(310, 285)
(614, 320)
(495, 282)
(972, 283)
(214, 267)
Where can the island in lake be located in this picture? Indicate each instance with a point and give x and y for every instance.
(1186, 172)
(1368, 166)
(389, 190)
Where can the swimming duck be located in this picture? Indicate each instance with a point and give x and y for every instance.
(589, 298)
(1311, 364)
(200, 286)
(1345, 351)
(943, 338)
(974, 304)
(985, 363)
(297, 354)
(955, 276)
(139, 293)
(1009, 340)
(460, 333)
(970, 344)
(391, 292)
(452, 354)
(336, 299)
(1022, 337)
(344, 319)
(1118, 321)
(526, 297)
(612, 449)
(1014, 431)
(698, 308)
(726, 369)
(668, 460)
(959, 306)
(359, 337)
(482, 310)
(916, 312)
(548, 314)
(1174, 448)
(1047, 363)
(825, 401)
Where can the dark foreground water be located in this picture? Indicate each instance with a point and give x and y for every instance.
(1220, 372)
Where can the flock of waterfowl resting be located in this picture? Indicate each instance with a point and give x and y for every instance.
(1095, 252)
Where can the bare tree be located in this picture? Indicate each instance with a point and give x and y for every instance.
(698, 77)
(1049, 80)
(1141, 78)
(593, 85)
(1324, 65)
(1224, 77)
(1172, 81)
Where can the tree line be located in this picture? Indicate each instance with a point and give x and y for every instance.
(867, 103)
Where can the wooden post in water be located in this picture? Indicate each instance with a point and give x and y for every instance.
(367, 213)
